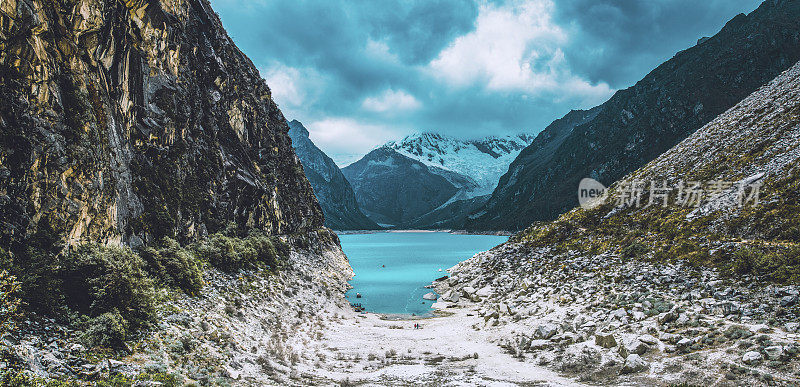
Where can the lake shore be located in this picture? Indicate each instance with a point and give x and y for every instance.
(449, 231)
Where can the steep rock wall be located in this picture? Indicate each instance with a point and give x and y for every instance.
(126, 121)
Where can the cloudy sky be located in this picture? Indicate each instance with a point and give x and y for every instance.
(361, 72)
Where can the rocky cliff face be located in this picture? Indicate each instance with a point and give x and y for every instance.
(393, 189)
(126, 121)
(333, 191)
(639, 123)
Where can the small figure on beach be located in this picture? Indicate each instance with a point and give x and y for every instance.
(383, 265)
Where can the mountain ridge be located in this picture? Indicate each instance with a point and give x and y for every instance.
(333, 191)
(462, 172)
(639, 123)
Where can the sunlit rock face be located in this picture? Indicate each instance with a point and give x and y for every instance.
(126, 121)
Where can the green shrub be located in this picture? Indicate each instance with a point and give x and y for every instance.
(174, 266)
(18, 378)
(744, 260)
(36, 265)
(777, 263)
(226, 253)
(231, 254)
(107, 330)
(634, 250)
(101, 279)
(9, 301)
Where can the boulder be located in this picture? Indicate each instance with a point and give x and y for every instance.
(619, 314)
(484, 291)
(634, 346)
(450, 296)
(545, 331)
(648, 339)
(605, 340)
(430, 296)
(468, 292)
(667, 317)
(633, 364)
(774, 352)
(788, 300)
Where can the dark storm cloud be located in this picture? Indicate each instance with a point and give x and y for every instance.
(620, 41)
(380, 69)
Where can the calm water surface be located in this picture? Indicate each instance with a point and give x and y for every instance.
(411, 260)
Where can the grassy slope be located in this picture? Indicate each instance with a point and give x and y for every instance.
(761, 134)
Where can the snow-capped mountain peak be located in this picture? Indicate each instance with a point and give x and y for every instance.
(482, 160)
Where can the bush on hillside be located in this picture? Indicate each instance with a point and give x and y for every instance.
(9, 301)
(108, 330)
(36, 265)
(174, 266)
(100, 280)
(231, 254)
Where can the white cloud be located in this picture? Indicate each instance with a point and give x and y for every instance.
(380, 50)
(515, 47)
(341, 138)
(391, 100)
(282, 80)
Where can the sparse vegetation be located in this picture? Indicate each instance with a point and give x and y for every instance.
(756, 240)
(108, 293)
(9, 301)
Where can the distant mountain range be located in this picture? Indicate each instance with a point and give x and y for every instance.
(429, 180)
(639, 123)
(333, 192)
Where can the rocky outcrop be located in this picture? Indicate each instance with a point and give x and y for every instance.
(123, 122)
(335, 195)
(639, 123)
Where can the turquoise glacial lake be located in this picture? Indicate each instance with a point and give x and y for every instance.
(392, 268)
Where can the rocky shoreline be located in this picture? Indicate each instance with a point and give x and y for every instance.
(602, 319)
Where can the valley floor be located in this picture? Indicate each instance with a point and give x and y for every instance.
(510, 316)
(366, 348)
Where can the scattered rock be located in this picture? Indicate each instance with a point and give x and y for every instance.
(788, 300)
(450, 296)
(430, 296)
(633, 347)
(633, 364)
(484, 291)
(545, 331)
(605, 340)
(774, 352)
